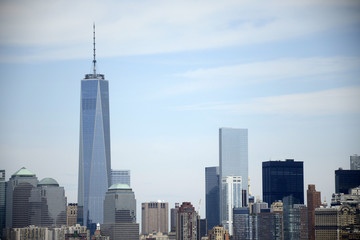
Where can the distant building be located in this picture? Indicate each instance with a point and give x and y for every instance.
(281, 179)
(71, 214)
(18, 193)
(295, 219)
(244, 225)
(231, 189)
(187, 219)
(173, 217)
(47, 204)
(120, 213)
(155, 236)
(256, 207)
(313, 202)
(154, 217)
(346, 179)
(212, 196)
(201, 227)
(218, 233)
(120, 177)
(355, 162)
(270, 225)
(2, 202)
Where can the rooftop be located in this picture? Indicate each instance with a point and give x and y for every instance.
(24, 172)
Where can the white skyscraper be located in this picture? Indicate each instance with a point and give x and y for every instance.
(233, 162)
(231, 188)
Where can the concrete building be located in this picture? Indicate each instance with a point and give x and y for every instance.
(47, 204)
(120, 213)
(218, 233)
(18, 193)
(71, 214)
(256, 207)
(154, 217)
(269, 225)
(187, 219)
(313, 202)
(212, 196)
(355, 162)
(120, 177)
(281, 179)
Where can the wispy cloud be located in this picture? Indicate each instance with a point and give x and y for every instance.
(328, 102)
(158, 26)
(260, 72)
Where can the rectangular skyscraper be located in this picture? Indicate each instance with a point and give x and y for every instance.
(212, 196)
(233, 161)
(282, 179)
(94, 152)
(154, 217)
(120, 177)
(355, 162)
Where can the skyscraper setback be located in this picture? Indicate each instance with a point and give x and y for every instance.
(94, 150)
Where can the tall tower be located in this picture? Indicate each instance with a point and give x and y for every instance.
(212, 196)
(233, 161)
(154, 217)
(94, 151)
(313, 202)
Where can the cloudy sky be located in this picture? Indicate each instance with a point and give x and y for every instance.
(178, 70)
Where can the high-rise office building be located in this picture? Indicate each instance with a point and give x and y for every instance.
(281, 179)
(120, 213)
(233, 161)
(355, 162)
(269, 224)
(187, 219)
(71, 214)
(295, 219)
(346, 179)
(154, 217)
(313, 202)
(212, 196)
(94, 152)
(231, 188)
(173, 217)
(120, 177)
(2, 201)
(244, 224)
(18, 192)
(47, 204)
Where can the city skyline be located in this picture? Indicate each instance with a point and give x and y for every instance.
(175, 81)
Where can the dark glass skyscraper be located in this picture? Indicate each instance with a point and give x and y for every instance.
(281, 179)
(346, 179)
(212, 196)
(94, 152)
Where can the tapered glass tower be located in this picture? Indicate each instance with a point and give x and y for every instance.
(94, 152)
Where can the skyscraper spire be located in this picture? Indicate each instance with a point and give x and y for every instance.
(94, 61)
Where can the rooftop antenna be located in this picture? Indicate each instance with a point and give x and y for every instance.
(94, 61)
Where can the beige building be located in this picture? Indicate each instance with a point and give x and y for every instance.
(71, 214)
(218, 233)
(155, 217)
(156, 236)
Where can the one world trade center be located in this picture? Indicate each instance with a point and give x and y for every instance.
(94, 151)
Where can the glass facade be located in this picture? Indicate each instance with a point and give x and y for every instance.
(346, 179)
(281, 179)
(120, 177)
(212, 196)
(2, 201)
(94, 152)
(233, 161)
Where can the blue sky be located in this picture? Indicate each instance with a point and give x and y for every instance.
(178, 70)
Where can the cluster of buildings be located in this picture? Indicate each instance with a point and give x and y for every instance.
(106, 207)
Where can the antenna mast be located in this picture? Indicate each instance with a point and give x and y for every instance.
(94, 61)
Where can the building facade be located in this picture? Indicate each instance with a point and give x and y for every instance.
(245, 226)
(94, 150)
(212, 196)
(18, 192)
(346, 179)
(47, 204)
(120, 177)
(313, 202)
(355, 162)
(187, 219)
(295, 219)
(173, 217)
(2, 202)
(71, 214)
(270, 225)
(233, 161)
(218, 233)
(281, 179)
(154, 217)
(231, 189)
(120, 213)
